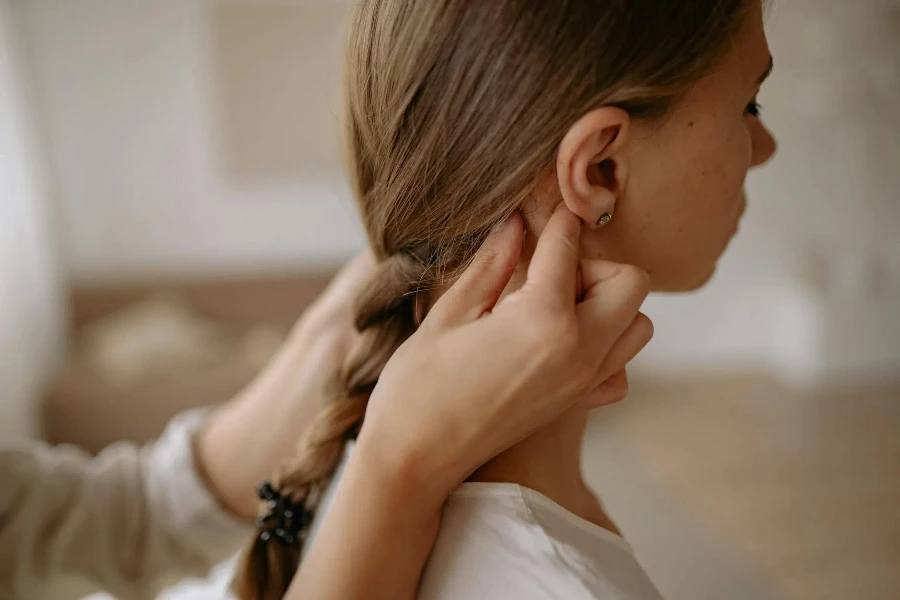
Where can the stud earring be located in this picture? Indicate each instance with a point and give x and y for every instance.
(604, 219)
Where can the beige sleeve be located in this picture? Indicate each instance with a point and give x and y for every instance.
(131, 520)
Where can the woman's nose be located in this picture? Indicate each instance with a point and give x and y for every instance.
(764, 144)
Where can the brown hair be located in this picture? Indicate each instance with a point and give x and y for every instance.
(454, 110)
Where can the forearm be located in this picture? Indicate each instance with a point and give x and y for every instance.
(248, 438)
(130, 519)
(377, 536)
(251, 436)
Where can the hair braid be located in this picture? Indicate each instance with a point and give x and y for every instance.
(385, 319)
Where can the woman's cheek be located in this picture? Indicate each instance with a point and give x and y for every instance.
(739, 154)
(747, 158)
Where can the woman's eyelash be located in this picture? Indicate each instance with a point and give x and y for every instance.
(754, 108)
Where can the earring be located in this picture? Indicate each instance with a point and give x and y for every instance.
(604, 219)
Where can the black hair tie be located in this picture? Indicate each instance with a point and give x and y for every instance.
(285, 520)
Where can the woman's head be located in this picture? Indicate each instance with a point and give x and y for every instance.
(462, 112)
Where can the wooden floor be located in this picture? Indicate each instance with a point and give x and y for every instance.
(739, 489)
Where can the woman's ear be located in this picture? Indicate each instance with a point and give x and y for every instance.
(590, 165)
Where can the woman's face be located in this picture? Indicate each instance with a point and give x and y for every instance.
(683, 195)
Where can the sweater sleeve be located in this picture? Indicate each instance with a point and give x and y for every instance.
(131, 520)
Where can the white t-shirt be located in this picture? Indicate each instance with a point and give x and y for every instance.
(502, 541)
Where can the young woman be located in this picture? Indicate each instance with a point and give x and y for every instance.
(639, 118)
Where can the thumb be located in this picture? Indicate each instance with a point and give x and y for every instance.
(554, 266)
(481, 284)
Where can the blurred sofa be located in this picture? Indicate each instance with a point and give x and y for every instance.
(141, 353)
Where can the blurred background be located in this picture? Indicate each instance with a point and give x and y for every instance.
(172, 196)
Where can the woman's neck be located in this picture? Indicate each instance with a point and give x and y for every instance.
(549, 462)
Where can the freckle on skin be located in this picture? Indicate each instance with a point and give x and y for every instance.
(690, 123)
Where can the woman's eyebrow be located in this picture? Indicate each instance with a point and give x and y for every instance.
(767, 72)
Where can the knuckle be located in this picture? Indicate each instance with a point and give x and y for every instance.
(638, 279)
(611, 391)
(644, 326)
(486, 257)
(618, 386)
(584, 370)
(570, 246)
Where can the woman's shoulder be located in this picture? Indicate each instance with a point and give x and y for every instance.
(500, 540)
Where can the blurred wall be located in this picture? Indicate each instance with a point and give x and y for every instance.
(31, 308)
(810, 287)
(148, 135)
(177, 150)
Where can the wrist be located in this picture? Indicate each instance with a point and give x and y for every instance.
(379, 529)
(398, 495)
(250, 436)
(223, 468)
(407, 469)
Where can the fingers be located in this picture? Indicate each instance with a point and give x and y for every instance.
(554, 266)
(611, 390)
(481, 284)
(636, 336)
(333, 309)
(614, 294)
(594, 273)
(353, 275)
(610, 383)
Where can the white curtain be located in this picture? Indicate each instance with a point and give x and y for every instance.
(31, 308)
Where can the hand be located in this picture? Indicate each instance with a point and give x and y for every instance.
(478, 375)
(248, 438)
(331, 314)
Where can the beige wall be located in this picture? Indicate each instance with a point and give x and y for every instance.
(277, 90)
(162, 168)
(151, 149)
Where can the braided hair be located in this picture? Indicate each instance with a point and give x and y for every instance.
(385, 318)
